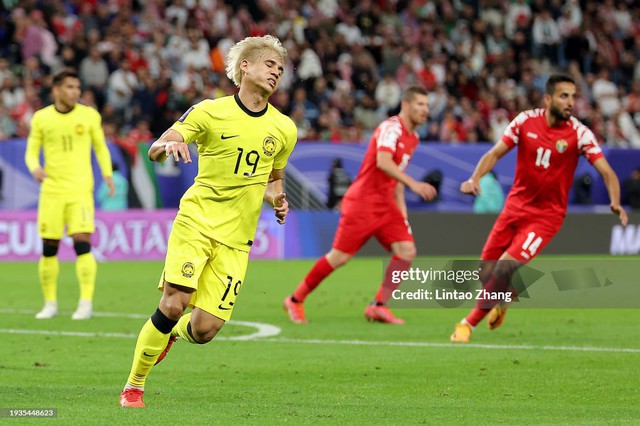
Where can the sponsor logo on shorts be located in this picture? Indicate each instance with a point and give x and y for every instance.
(188, 270)
(222, 308)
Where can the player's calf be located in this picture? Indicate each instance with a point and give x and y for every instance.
(203, 327)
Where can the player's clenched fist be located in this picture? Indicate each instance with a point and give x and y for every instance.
(177, 150)
(470, 187)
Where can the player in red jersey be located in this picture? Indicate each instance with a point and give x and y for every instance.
(374, 206)
(550, 142)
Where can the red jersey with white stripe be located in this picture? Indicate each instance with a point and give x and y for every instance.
(547, 160)
(372, 185)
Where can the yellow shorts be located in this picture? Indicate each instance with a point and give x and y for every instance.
(214, 270)
(57, 210)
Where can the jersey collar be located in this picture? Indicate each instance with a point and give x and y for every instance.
(414, 133)
(64, 113)
(247, 110)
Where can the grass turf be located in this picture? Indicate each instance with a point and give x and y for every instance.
(337, 369)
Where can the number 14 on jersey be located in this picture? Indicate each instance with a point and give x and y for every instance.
(542, 157)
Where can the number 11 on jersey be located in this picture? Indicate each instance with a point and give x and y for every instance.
(67, 143)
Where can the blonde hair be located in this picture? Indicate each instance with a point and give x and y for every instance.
(251, 49)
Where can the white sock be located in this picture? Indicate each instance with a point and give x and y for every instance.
(464, 321)
(85, 304)
(128, 386)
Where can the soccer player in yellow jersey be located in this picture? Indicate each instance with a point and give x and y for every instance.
(66, 131)
(243, 146)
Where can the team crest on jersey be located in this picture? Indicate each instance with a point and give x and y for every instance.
(188, 270)
(79, 129)
(561, 145)
(269, 146)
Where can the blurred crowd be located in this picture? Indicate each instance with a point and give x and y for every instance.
(144, 62)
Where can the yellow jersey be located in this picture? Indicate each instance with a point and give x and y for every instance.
(237, 150)
(66, 139)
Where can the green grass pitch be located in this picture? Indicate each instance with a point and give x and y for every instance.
(541, 367)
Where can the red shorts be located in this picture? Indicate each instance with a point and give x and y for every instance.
(359, 222)
(521, 237)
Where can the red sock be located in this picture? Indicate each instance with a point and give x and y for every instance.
(319, 272)
(387, 286)
(483, 306)
(476, 315)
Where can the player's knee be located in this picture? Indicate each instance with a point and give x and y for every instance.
(337, 258)
(504, 269)
(407, 252)
(486, 270)
(172, 307)
(50, 248)
(82, 247)
(341, 261)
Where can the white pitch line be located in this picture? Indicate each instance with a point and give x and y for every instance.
(266, 332)
(68, 333)
(263, 330)
(451, 345)
(95, 314)
(340, 342)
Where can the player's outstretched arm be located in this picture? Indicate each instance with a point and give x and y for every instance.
(613, 188)
(384, 161)
(170, 144)
(274, 195)
(484, 166)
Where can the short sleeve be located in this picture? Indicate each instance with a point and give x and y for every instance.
(388, 134)
(193, 123)
(283, 156)
(511, 135)
(588, 145)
